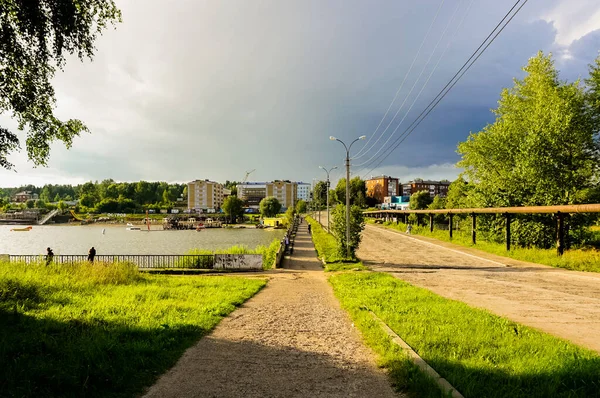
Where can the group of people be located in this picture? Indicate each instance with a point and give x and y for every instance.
(50, 255)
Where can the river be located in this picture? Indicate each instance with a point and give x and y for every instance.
(78, 239)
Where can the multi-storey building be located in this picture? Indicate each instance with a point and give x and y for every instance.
(433, 187)
(253, 192)
(24, 196)
(380, 187)
(205, 195)
(303, 191)
(286, 192)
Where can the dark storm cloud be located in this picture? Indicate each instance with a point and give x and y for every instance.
(212, 89)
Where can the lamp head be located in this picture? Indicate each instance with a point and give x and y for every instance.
(362, 137)
(321, 167)
(332, 138)
(334, 168)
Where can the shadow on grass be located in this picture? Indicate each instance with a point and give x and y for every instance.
(576, 377)
(47, 358)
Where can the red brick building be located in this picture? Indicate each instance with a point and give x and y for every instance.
(433, 187)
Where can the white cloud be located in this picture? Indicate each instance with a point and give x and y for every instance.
(573, 19)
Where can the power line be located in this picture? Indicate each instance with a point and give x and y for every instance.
(417, 81)
(405, 77)
(460, 73)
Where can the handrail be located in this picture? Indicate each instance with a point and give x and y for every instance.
(587, 208)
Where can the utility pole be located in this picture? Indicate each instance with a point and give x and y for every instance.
(328, 215)
(362, 137)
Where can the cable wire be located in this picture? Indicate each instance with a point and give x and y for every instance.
(417, 81)
(460, 73)
(405, 77)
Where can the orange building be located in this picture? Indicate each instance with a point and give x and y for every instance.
(380, 187)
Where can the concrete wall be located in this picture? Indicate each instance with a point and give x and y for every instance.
(238, 261)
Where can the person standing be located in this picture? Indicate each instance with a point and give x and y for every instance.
(49, 256)
(91, 254)
(287, 243)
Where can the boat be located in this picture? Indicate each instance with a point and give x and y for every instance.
(132, 228)
(21, 229)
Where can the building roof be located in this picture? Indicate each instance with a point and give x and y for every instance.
(382, 177)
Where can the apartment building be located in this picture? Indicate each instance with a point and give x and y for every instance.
(304, 191)
(252, 193)
(204, 195)
(433, 187)
(382, 186)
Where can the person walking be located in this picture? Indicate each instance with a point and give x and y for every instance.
(49, 256)
(91, 254)
(309, 228)
(408, 229)
(287, 243)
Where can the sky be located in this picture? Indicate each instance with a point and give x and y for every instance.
(210, 89)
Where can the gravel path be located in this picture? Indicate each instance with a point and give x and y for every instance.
(291, 340)
(563, 303)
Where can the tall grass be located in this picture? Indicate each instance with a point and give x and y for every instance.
(268, 252)
(327, 249)
(102, 330)
(577, 259)
(481, 354)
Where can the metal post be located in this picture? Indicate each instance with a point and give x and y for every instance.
(474, 228)
(560, 234)
(507, 215)
(451, 224)
(431, 223)
(328, 230)
(347, 204)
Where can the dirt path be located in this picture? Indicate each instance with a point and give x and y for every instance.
(291, 340)
(563, 303)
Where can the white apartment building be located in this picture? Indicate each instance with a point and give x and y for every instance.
(204, 195)
(304, 191)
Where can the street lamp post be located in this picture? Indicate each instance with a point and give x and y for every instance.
(332, 138)
(328, 171)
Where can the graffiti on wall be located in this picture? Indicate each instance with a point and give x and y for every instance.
(238, 261)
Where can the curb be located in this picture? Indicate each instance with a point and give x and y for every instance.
(442, 383)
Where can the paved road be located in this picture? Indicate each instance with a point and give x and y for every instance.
(291, 340)
(563, 303)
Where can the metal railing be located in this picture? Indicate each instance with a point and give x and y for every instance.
(559, 211)
(143, 261)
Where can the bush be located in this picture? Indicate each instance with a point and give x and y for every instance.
(357, 224)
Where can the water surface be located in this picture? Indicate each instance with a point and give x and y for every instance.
(77, 239)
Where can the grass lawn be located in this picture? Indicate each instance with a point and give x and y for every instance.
(103, 330)
(268, 252)
(577, 259)
(480, 354)
(327, 250)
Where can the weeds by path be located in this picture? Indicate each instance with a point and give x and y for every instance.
(481, 354)
(327, 250)
(102, 330)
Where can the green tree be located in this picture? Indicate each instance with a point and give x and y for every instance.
(320, 193)
(36, 37)
(438, 203)
(541, 150)
(30, 204)
(62, 206)
(233, 207)
(357, 225)
(112, 191)
(56, 198)
(270, 206)
(290, 213)
(300, 207)
(358, 191)
(420, 200)
(45, 195)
